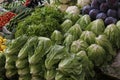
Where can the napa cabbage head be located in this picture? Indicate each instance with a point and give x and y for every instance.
(75, 30)
(66, 25)
(55, 54)
(97, 26)
(112, 32)
(78, 45)
(84, 21)
(96, 54)
(106, 44)
(57, 37)
(88, 36)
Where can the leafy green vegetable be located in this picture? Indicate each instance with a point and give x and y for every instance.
(112, 32)
(96, 54)
(23, 53)
(9, 66)
(11, 59)
(84, 21)
(36, 61)
(37, 77)
(70, 65)
(86, 64)
(88, 36)
(96, 26)
(78, 46)
(41, 50)
(50, 74)
(21, 63)
(68, 41)
(15, 45)
(55, 54)
(24, 71)
(75, 30)
(37, 70)
(11, 55)
(42, 22)
(60, 76)
(77, 66)
(11, 73)
(11, 63)
(26, 77)
(57, 37)
(105, 43)
(66, 25)
(33, 30)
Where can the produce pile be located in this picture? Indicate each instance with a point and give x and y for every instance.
(5, 18)
(42, 22)
(108, 10)
(52, 45)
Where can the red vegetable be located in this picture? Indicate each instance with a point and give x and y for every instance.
(5, 18)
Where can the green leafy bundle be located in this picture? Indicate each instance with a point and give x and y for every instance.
(42, 22)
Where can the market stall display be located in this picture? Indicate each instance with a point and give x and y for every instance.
(51, 43)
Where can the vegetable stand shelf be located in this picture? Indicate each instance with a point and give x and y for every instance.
(73, 44)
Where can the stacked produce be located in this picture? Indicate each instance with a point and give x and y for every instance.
(5, 18)
(23, 56)
(54, 45)
(108, 10)
(44, 61)
(54, 56)
(11, 56)
(36, 60)
(70, 51)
